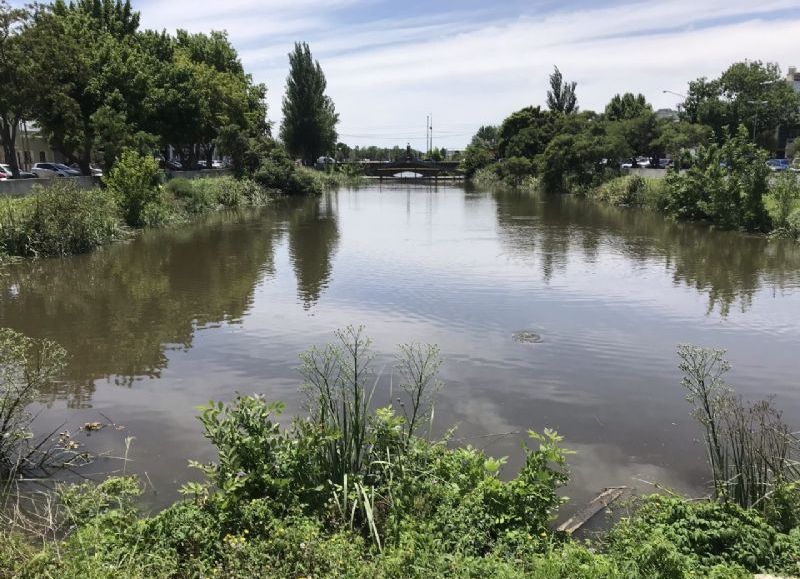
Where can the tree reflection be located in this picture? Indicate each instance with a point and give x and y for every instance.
(313, 237)
(119, 310)
(728, 266)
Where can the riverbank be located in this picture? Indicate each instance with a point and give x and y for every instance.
(780, 203)
(66, 218)
(351, 490)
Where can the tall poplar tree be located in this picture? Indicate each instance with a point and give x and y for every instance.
(561, 97)
(309, 116)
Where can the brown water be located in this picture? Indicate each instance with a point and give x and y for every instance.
(176, 318)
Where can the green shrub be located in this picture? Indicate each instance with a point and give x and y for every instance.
(27, 368)
(135, 182)
(180, 187)
(726, 185)
(684, 535)
(783, 200)
(60, 219)
(626, 190)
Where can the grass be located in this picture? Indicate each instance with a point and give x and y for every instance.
(489, 178)
(64, 219)
(631, 190)
(61, 219)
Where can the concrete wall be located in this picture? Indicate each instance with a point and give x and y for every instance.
(22, 187)
(198, 174)
(650, 173)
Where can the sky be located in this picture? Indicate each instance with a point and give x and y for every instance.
(469, 62)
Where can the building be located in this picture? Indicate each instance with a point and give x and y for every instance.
(667, 114)
(793, 78)
(33, 147)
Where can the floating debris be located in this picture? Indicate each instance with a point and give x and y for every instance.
(525, 337)
(597, 504)
(92, 426)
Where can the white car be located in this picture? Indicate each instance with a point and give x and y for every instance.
(50, 170)
(7, 173)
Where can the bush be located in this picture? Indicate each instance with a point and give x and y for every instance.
(726, 185)
(60, 219)
(27, 366)
(783, 200)
(699, 536)
(627, 190)
(135, 182)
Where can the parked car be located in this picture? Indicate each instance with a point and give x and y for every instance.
(94, 170)
(637, 163)
(7, 173)
(173, 165)
(217, 164)
(50, 170)
(777, 165)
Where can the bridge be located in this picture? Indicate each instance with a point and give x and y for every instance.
(420, 169)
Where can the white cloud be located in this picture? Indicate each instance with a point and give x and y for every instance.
(469, 69)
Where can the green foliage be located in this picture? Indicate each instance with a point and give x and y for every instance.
(672, 537)
(627, 190)
(135, 183)
(526, 132)
(783, 200)
(19, 88)
(27, 367)
(561, 96)
(581, 157)
(207, 194)
(60, 219)
(751, 450)
(515, 169)
(750, 93)
(627, 107)
(725, 185)
(302, 501)
(309, 116)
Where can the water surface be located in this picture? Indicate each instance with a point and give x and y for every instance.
(175, 318)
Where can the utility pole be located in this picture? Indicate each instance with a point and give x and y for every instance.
(430, 148)
(427, 132)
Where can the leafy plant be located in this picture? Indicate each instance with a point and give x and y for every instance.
(60, 219)
(750, 449)
(135, 182)
(27, 366)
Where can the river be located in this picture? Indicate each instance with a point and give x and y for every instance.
(178, 317)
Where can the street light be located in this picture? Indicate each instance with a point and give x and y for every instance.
(755, 120)
(683, 96)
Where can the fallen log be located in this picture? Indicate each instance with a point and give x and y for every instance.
(596, 505)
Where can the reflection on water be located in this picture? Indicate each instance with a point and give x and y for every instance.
(727, 266)
(177, 317)
(313, 233)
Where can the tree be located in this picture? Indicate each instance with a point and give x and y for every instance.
(525, 133)
(749, 93)
(627, 106)
(309, 116)
(82, 54)
(515, 169)
(561, 96)
(17, 89)
(726, 184)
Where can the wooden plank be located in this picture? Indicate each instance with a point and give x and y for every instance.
(596, 505)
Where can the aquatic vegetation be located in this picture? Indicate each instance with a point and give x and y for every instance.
(60, 219)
